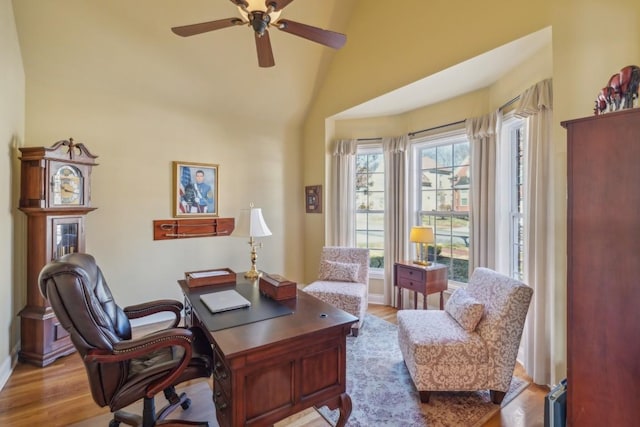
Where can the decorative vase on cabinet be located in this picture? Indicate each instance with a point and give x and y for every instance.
(55, 195)
(603, 293)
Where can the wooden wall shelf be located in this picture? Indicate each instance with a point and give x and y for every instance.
(171, 229)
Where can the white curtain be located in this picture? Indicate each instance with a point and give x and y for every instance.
(482, 133)
(342, 193)
(536, 104)
(396, 218)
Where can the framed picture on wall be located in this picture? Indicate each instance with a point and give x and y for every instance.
(195, 189)
(313, 198)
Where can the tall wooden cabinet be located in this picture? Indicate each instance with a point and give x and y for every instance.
(603, 282)
(55, 196)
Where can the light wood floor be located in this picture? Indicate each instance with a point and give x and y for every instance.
(58, 395)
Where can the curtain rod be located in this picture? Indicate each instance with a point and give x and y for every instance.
(506, 104)
(436, 127)
(414, 133)
(369, 139)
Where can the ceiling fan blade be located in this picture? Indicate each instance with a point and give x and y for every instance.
(315, 34)
(277, 4)
(265, 53)
(203, 27)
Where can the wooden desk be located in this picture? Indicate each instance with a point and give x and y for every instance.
(268, 370)
(420, 279)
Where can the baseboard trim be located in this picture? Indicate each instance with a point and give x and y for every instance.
(7, 366)
(376, 299)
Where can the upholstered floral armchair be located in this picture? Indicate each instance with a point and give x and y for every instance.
(470, 345)
(343, 281)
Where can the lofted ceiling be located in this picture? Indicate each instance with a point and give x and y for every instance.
(124, 46)
(473, 74)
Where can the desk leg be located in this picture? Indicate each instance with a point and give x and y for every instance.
(415, 300)
(399, 298)
(345, 410)
(441, 300)
(424, 302)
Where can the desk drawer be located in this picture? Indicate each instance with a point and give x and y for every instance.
(409, 278)
(223, 405)
(221, 373)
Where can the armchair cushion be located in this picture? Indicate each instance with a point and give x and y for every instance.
(338, 271)
(444, 342)
(465, 309)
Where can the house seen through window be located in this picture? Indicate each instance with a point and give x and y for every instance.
(442, 174)
(369, 203)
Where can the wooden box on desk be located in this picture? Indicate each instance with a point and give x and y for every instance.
(215, 276)
(277, 287)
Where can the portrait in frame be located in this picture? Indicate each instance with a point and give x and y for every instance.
(195, 189)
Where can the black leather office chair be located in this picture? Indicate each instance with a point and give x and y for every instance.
(122, 370)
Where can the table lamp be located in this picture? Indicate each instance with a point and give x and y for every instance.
(421, 235)
(251, 224)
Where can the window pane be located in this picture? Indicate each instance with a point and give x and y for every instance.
(429, 200)
(445, 156)
(445, 168)
(362, 201)
(361, 221)
(446, 178)
(376, 201)
(369, 203)
(461, 154)
(376, 182)
(376, 221)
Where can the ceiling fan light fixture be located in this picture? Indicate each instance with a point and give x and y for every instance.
(258, 6)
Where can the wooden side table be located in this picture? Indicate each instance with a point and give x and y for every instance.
(420, 279)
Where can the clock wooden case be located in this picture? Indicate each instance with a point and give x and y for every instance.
(55, 194)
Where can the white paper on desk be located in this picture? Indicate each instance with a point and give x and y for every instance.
(212, 273)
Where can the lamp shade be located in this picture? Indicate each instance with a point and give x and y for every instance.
(421, 234)
(251, 224)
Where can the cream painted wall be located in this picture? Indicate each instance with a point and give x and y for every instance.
(584, 58)
(12, 118)
(534, 69)
(136, 139)
(585, 52)
(380, 58)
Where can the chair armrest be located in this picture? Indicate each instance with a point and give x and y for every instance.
(127, 350)
(152, 307)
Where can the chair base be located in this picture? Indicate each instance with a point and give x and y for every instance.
(151, 419)
(496, 396)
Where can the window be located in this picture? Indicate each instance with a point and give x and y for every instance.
(442, 166)
(515, 133)
(369, 203)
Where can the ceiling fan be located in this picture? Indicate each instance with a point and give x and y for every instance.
(262, 15)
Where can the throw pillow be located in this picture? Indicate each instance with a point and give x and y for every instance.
(465, 309)
(338, 271)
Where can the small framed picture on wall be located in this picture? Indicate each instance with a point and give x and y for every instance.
(195, 189)
(313, 198)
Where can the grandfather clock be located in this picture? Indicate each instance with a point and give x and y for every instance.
(55, 194)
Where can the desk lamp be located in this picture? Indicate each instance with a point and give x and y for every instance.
(421, 236)
(251, 224)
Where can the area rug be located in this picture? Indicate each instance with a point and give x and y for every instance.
(383, 394)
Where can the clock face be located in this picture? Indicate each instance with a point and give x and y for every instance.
(67, 186)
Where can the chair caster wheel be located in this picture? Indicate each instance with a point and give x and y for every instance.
(185, 405)
(114, 423)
